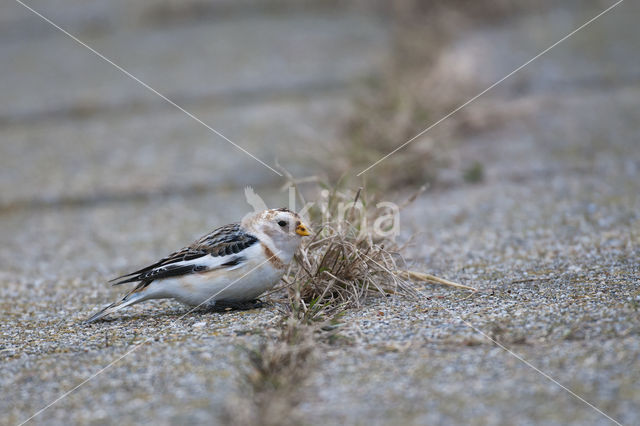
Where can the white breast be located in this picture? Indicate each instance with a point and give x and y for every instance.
(240, 283)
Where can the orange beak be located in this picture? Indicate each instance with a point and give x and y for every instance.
(302, 230)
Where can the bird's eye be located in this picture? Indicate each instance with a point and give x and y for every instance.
(282, 223)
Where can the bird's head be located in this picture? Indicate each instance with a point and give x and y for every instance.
(282, 226)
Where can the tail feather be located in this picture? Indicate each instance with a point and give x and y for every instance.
(128, 300)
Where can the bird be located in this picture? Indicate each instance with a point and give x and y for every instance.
(232, 264)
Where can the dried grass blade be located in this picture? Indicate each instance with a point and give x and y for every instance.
(421, 276)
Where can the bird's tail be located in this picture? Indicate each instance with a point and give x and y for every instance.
(129, 299)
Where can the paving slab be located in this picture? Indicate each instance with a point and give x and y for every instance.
(127, 156)
(276, 84)
(267, 54)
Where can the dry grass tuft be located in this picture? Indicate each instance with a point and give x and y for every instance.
(275, 378)
(353, 255)
(277, 363)
(345, 262)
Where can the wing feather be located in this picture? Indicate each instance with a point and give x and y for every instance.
(225, 242)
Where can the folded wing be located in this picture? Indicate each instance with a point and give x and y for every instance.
(221, 248)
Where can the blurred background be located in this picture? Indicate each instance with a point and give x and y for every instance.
(322, 88)
(99, 174)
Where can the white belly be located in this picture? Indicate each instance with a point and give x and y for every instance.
(235, 285)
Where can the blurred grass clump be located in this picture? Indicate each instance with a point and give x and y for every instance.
(421, 85)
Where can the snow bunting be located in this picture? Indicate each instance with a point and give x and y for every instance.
(235, 263)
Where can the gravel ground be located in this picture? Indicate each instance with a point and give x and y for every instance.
(561, 291)
(550, 237)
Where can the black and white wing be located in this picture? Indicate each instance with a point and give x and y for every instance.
(219, 249)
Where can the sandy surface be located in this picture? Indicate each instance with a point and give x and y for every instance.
(550, 237)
